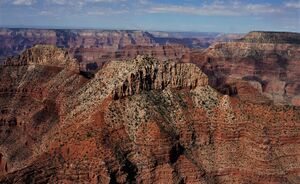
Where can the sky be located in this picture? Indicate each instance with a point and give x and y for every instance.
(228, 16)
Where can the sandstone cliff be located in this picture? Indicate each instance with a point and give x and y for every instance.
(268, 61)
(139, 121)
(43, 55)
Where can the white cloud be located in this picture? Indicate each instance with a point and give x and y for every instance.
(143, 2)
(23, 2)
(105, 1)
(261, 9)
(293, 5)
(62, 2)
(107, 12)
(46, 13)
(206, 8)
(217, 8)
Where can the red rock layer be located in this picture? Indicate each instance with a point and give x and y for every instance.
(173, 130)
(96, 47)
(94, 58)
(269, 67)
(30, 86)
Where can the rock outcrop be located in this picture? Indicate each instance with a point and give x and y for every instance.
(149, 74)
(268, 61)
(272, 37)
(44, 55)
(167, 125)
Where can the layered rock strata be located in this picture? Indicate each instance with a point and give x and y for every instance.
(269, 66)
(167, 125)
(93, 48)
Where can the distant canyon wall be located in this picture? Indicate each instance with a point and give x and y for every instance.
(96, 47)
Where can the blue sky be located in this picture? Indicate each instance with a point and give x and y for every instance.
(167, 15)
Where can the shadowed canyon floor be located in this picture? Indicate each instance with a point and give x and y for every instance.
(137, 121)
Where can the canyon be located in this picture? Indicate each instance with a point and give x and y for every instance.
(151, 113)
(93, 48)
(266, 61)
(139, 121)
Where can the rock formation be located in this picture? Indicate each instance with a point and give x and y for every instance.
(94, 58)
(32, 87)
(138, 121)
(44, 55)
(267, 61)
(149, 74)
(272, 37)
(93, 48)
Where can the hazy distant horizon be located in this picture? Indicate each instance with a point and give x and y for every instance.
(121, 29)
(95, 28)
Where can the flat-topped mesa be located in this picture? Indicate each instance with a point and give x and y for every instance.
(272, 37)
(150, 74)
(46, 55)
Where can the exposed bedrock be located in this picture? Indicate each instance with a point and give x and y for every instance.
(154, 75)
(271, 67)
(168, 125)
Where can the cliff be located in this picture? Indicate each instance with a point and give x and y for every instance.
(33, 85)
(45, 55)
(150, 74)
(93, 48)
(268, 63)
(272, 37)
(139, 121)
(94, 58)
(14, 41)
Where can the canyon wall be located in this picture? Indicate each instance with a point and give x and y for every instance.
(266, 61)
(14, 41)
(32, 87)
(137, 121)
(93, 48)
(262, 62)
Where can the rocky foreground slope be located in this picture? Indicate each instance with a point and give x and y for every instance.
(139, 121)
(265, 61)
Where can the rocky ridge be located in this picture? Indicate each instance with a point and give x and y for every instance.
(272, 37)
(149, 74)
(120, 79)
(140, 121)
(45, 55)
